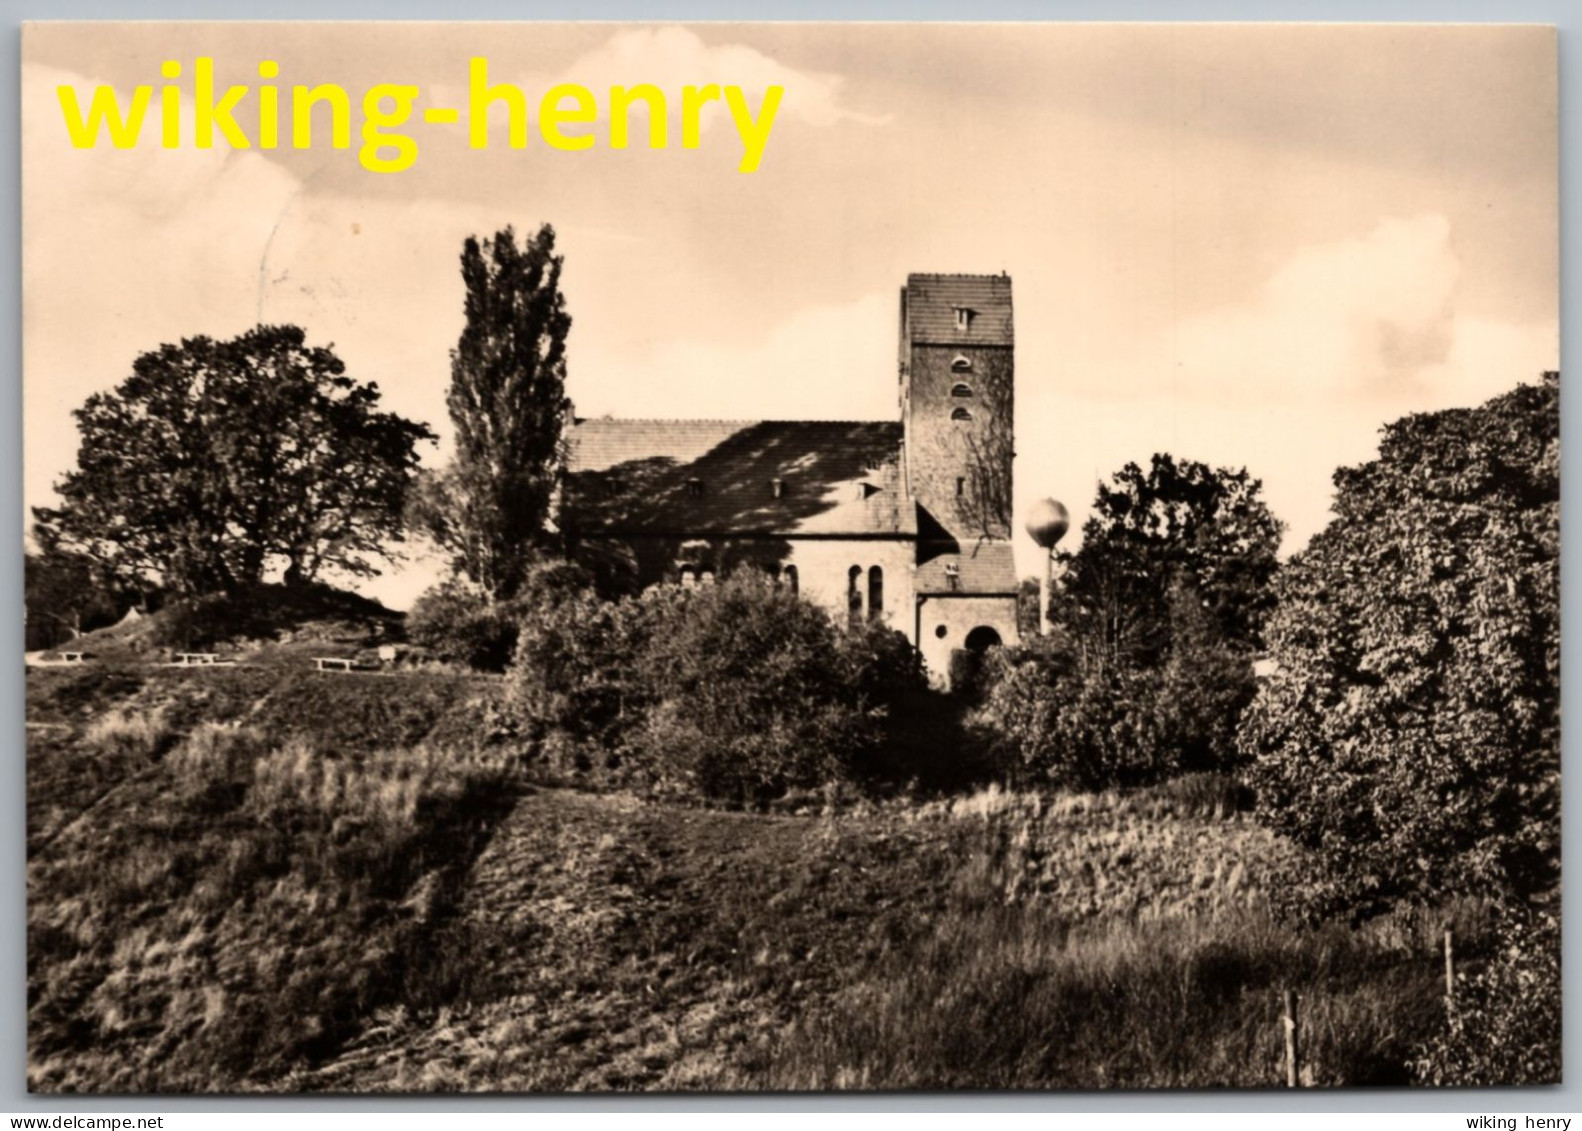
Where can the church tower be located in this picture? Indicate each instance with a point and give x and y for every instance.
(958, 404)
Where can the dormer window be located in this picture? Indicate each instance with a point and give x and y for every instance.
(953, 575)
(961, 414)
(961, 364)
(964, 319)
(694, 488)
(961, 391)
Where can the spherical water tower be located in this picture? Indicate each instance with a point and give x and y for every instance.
(1047, 523)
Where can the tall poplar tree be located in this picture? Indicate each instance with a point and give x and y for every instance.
(491, 508)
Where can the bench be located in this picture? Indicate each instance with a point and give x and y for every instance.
(334, 664)
(196, 659)
(73, 657)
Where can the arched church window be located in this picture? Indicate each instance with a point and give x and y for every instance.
(960, 414)
(788, 576)
(854, 596)
(875, 593)
(689, 579)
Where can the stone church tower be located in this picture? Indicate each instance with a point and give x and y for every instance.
(958, 403)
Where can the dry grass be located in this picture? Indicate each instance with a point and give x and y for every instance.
(234, 909)
(265, 881)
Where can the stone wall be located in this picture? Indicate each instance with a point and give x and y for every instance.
(957, 616)
(937, 448)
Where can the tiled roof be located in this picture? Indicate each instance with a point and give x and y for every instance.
(932, 300)
(987, 567)
(717, 477)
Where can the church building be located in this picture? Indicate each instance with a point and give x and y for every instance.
(904, 522)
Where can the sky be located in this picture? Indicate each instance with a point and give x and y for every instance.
(1250, 245)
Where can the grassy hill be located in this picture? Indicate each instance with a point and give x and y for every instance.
(264, 877)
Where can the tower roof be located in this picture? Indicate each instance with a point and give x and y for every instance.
(933, 305)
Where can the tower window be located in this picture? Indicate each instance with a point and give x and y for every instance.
(961, 390)
(953, 575)
(961, 364)
(694, 488)
(960, 414)
(964, 318)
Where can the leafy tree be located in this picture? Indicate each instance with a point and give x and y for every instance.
(1149, 666)
(1180, 526)
(1411, 734)
(491, 507)
(217, 460)
(67, 594)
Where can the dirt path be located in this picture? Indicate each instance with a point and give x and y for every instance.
(612, 944)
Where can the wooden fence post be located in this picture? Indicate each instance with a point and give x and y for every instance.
(1292, 1042)
(1450, 970)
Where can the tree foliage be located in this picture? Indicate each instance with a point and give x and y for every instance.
(218, 460)
(459, 623)
(67, 594)
(1150, 663)
(737, 691)
(1504, 1028)
(1179, 526)
(490, 509)
(1411, 735)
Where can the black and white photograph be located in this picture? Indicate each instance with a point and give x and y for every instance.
(816, 557)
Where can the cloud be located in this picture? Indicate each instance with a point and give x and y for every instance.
(1363, 315)
(122, 250)
(672, 58)
(1293, 382)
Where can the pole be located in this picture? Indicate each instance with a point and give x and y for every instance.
(1043, 591)
(1292, 1047)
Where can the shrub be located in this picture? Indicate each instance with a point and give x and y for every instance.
(128, 732)
(458, 622)
(1504, 1028)
(1055, 719)
(738, 691)
(1411, 732)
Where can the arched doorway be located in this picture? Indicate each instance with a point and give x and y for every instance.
(982, 638)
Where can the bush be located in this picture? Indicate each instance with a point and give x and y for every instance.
(1411, 733)
(260, 612)
(1052, 718)
(459, 623)
(1505, 1026)
(737, 691)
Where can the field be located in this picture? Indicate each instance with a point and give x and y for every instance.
(264, 878)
